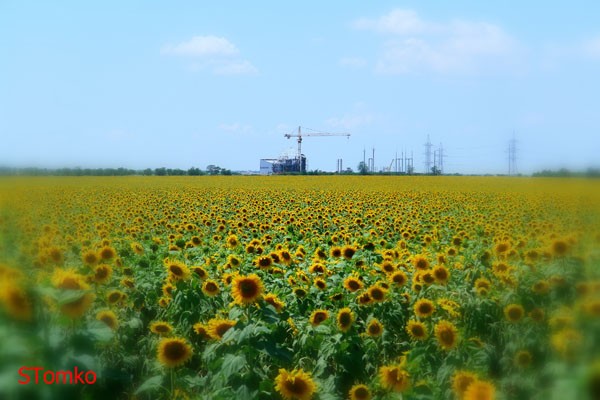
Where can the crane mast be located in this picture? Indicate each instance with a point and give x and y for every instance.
(299, 135)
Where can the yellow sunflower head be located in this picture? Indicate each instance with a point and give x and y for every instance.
(374, 328)
(318, 316)
(352, 283)
(173, 352)
(218, 327)
(424, 308)
(161, 328)
(446, 334)
(109, 318)
(359, 392)
(461, 381)
(393, 377)
(210, 288)
(417, 330)
(514, 312)
(345, 319)
(246, 289)
(295, 384)
(480, 390)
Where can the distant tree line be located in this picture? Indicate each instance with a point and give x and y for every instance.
(565, 173)
(193, 171)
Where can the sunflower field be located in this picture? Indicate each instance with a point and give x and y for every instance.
(298, 287)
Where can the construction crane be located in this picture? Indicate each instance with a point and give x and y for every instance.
(299, 135)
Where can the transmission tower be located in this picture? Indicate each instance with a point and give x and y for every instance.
(428, 147)
(441, 159)
(512, 156)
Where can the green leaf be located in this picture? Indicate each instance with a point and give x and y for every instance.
(232, 364)
(153, 383)
(100, 332)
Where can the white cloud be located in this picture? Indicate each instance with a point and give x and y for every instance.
(353, 62)
(235, 127)
(591, 47)
(239, 67)
(350, 120)
(398, 21)
(212, 53)
(201, 46)
(413, 44)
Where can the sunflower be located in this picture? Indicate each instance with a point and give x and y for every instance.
(345, 319)
(523, 359)
(68, 280)
(114, 296)
(352, 283)
(234, 261)
(210, 288)
(285, 257)
(540, 287)
(127, 282)
(374, 328)
(318, 316)
(16, 301)
(537, 315)
(461, 381)
(482, 283)
(273, 300)
(417, 330)
(264, 261)
(161, 328)
(394, 377)
(441, 274)
(201, 330)
(420, 262)
(446, 334)
(364, 299)
(336, 252)
(137, 248)
(246, 289)
(424, 308)
(398, 278)
(167, 289)
(480, 390)
(387, 267)
(218, 327)
(359, 392)
(377, 293)
(173, 352)
(559, 248)
(90, 258)
(232, 241)
(295, 384)
(502, 248)
(299, 292)
(317, 268)
(102, 273)
(320, 283)
(348, 252)
(109, 318)
(514, 312)
(164, 301)
(200, 272)
(107, 253)
(177, 270)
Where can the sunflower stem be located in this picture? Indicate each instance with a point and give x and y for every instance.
(172, 379)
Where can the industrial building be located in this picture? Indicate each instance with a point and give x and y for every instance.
(282, 165)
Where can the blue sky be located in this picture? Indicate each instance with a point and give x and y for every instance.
(186, 83)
